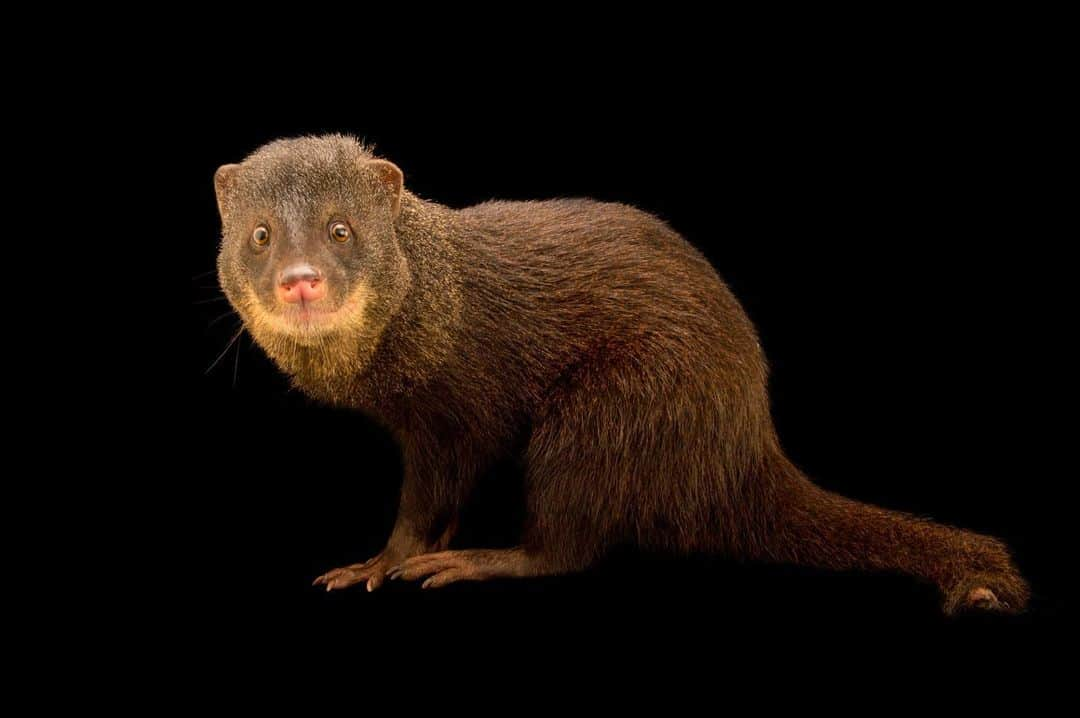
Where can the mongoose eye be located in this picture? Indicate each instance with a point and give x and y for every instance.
(261, 236)
(339, 231)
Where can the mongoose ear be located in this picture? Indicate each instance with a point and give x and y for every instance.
(223, 182)
(390, 176)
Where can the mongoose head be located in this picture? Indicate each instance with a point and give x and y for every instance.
(309, 257)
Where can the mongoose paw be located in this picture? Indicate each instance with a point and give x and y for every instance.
(982, 598)
(446, 567)
(995, 592)
(373, 571)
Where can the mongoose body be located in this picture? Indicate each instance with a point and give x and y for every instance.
(589, 333)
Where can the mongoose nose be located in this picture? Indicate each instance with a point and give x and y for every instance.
(301, 283)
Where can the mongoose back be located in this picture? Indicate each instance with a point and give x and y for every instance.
(589, 333)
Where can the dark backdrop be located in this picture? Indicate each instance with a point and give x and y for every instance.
(881, 220)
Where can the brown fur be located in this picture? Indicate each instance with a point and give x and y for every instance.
(592, 332)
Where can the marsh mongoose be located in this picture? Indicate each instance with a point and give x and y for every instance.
(589, 333)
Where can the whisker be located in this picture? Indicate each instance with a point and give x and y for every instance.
(226, 349)
(200, 276)
(218, 318)
(207, 301)
(236, 363)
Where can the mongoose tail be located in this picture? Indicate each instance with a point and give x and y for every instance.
(814, 527)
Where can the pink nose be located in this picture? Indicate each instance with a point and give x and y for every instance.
(301, 283)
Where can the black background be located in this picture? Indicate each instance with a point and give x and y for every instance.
(880, 213)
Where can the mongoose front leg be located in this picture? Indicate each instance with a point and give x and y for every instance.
(402, 544)
(446, 567)
(424, 524)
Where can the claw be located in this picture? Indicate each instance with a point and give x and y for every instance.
(369, 572)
